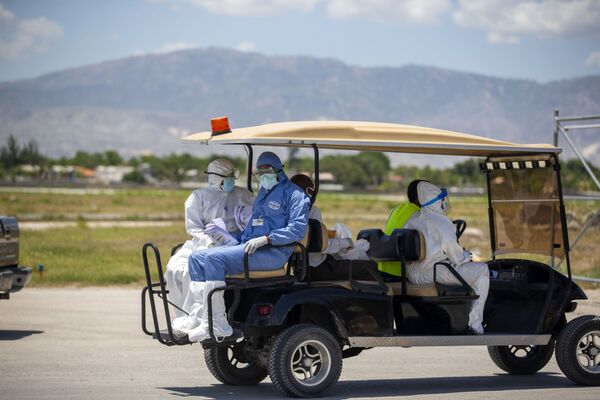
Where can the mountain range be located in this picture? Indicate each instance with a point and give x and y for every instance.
(146, 103)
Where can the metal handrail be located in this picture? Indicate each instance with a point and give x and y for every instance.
(162, 294)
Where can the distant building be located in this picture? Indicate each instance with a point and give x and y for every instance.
(112, 173)
(327, 181)
(85, 172)
(396, 178)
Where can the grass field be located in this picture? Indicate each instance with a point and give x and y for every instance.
(81, 255)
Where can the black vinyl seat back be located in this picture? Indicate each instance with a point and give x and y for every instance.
(317, 236)
(401, 245)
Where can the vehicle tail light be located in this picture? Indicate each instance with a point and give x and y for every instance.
(264, 310)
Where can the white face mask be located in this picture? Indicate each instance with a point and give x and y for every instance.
(268, 181)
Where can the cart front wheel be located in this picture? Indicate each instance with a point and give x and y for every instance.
(521, 360)
(578, 350)
(305, 361)
(230, 366)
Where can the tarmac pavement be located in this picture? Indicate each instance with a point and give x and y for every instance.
(86, 343)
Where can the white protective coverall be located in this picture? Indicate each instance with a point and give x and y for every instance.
(201, 208)
(334, 245)
(442, 246)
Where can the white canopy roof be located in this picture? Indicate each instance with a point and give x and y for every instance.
(369, 136)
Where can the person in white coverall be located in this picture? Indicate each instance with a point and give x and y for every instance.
(442, 245)
(219, 200)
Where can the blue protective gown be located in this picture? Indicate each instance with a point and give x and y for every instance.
(280, 213)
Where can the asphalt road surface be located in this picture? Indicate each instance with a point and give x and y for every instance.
(87, 344)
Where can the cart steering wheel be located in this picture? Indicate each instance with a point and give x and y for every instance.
(461, 225)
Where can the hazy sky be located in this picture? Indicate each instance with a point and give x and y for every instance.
(531, 39)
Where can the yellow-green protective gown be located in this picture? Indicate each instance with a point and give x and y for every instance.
(398, 218)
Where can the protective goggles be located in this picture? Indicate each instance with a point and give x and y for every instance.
(443, 194)
(234, 174)
(265, 171)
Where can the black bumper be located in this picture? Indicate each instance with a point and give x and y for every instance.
(13, 279)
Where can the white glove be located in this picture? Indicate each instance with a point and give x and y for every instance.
(342, 231)
(254, 244)
(348, 243)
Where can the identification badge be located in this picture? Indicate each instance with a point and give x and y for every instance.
(257, 222)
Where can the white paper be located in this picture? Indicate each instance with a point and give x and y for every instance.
(221, 229)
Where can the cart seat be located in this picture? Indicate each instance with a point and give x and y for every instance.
(315, 240)
(256, 274)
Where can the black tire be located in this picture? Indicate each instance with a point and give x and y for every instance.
(574, 346)
(229, 365)
(521, 360)
(317, 353)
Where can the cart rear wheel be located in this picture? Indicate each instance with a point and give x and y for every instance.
(578, 350)
(521, 360)
(230, 366)
(305, 361)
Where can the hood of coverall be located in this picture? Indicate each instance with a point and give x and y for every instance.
(218, 167)
(272, 159)
(427, 191)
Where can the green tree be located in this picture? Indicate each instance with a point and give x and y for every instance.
(375, 164)
(111, 157)
(469, 172)
(346, 170)
(30, 154)
(10, 153)
(134, 176)
(575, 177)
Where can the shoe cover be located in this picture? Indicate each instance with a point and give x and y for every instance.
(221, 327)
(197, 292)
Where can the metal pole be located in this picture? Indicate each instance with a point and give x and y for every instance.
(583, 230)
(582, 118)
(556, 124)
(585, 164)
(316, 175)
(590, 126)
(249, 166)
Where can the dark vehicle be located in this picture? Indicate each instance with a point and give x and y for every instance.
(12, 276)
(297, 330)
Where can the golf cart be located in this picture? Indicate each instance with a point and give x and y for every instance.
(297, 330)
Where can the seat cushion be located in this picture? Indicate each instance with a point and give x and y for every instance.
(260, 274)
(428, 290)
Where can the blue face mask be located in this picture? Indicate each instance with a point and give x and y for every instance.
(228, 184)
(267, 181)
